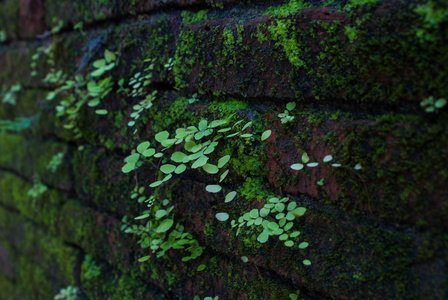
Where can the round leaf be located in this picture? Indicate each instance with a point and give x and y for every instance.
(254, 213)
(306, 262)
(303, 245)
(244, 259)
(133, 158)
(211, 169)
(289, 243)
(178, 157)
(142, 147)
(201, 267)
(167, 169)
(299, 211)
(222, 216)
(213, 188)
(128, 167)
(328, 158)
(295, 234)
(161, 136)
(149, 152)
(263, 237)
(290, 106)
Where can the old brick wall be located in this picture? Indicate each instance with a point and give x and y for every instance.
(368, 79)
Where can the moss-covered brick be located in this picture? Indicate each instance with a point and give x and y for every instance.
(35, 159)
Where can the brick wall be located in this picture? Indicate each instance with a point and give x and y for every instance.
(368, 81)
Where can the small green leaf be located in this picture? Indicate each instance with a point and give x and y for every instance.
(101, 112)
(312, 165)
(167, 169)
(305, 158)
(263, 237)
(156, 183)
(142, 147)
(264, 212)
(223, 161)
(161, 213)
(223, 175)
(306, 262)
(178, 157)
(289, 243)
(180, 169)
(299, 211)
(99, 63)
(213, 188)
(230, 196)
(440, 103)
(290, 106)
(202, 125)
(149, 152)
(201, 267)
(295, 234)
(288, 226)
(273, 226)
(303, 245)
(202, 160)
(244, 259)
(165, 226)
(144, 258)
(211, 169)
(336, 165)
(247, 125)
(297, 167)
(133, 158)
(279, 207)
(222, 216)
(358, 167)
(161, 136)
(266, 135)
(283, 237)
(328, 158)
(128, 167)
(142, 217)
(157, 155)
(167, 177)
(254, 213)
(109, 56)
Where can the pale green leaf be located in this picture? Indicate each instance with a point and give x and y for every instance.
(222, 216)
(211, 169)
(178, 157)
(128, 167)
(266, 135)
(305, 157)
(223, 176)
(303, 245)
(299, 211)
(161, 136)
(289, 243)
(312, 165)
(223, 161)
(263, 237)
(290, 106)
(328, 158)
(213, 188)
(142, 147)
(230, 196)
(165, 225)
(168, 168)
(149, 152)
(202, 160)
(180, 169)
(306, 262)
(297, 166)
(101, 112)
